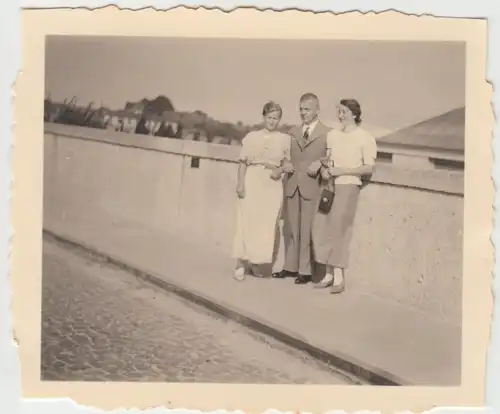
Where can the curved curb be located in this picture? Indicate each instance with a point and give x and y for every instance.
(371, 375)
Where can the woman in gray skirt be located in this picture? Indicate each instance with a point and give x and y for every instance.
(351, 154)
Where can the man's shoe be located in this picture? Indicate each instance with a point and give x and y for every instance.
(283, 274)
(303, 279)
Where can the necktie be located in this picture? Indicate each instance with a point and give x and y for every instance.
(306, 133)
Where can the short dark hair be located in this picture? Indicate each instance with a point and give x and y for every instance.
(272, 106)
(354, 107)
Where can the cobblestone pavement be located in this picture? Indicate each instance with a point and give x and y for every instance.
(100, 323)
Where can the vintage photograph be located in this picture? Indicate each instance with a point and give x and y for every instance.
(209, 216)
(269, 211)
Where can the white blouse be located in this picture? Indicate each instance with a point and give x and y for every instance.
(351, 150)
(264, 147)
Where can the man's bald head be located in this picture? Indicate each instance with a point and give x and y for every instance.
(309, 96)
(309, 107)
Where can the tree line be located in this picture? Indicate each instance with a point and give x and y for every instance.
(145, 112)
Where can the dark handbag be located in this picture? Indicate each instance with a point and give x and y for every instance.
(328, 194)
(326, 201)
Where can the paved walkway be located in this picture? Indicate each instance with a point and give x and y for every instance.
(100, 323)
(386, 338)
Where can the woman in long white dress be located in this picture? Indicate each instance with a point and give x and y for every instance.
(263, 161)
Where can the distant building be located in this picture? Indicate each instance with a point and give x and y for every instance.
(438, 142)
(136, 108)
(168, 125)
(136, 118)
(444, 132)
(122, 121)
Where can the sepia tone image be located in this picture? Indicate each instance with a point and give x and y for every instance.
(269, 211)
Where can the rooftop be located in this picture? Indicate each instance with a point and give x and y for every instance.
(445, 131)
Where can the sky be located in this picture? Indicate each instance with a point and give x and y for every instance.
(397, 83)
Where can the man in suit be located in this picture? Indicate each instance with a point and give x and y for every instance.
(302, 190)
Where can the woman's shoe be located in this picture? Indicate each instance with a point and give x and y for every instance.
(239, 274)
(325, 283)
(257, 271)
(336, 289)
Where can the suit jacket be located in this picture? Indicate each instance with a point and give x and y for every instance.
(303, 154)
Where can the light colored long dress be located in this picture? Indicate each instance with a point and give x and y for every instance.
(257, 214)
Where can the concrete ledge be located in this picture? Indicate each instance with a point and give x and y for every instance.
(447, 182)
(430, 179)
(367, 373)
(219, 152)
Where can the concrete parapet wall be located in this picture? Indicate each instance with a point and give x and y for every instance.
(407, 242)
